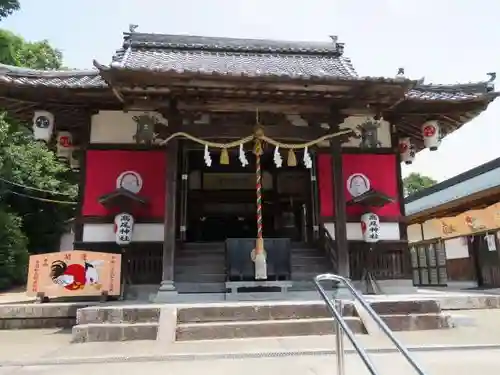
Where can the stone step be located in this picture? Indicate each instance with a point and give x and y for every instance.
(202, 245)
(418, 322)
(206, 268)
(304, 276)
(272, 311)
(310, 267)
(199, 277)
(114, 332)
(262, 328)
(118, 314)
(209, 253)
(406, 307)
(195, 287)
(200, 259)
(310, 259)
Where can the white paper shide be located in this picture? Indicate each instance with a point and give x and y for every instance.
(124, 228)
(431, 134)
(370, 227)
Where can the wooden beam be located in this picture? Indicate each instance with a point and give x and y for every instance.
(240, 105)
(235, 131)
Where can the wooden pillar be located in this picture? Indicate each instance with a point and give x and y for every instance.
(339, 201)
(403, 227)
(315, 219)
(84, 137)
(167, 286)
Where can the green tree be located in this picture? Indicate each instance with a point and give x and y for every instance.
(15, 50)
(35, 224)
(415, 182)
(7, 7)
(28, 221)
(13, 250)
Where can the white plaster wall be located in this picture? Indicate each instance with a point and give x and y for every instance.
(414, 233)
(67, 241)
(142, 233)
(388, 231)
(456, 248)
(351, 122)
(116, 126)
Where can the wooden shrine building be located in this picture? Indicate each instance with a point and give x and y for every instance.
(210, 160)
(454, 230)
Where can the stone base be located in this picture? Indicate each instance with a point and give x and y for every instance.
(166, 293)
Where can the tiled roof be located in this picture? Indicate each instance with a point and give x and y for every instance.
(456, 92)
(58, 79)
(233, 57)
(190, 42)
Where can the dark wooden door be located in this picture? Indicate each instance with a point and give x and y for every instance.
(488, 260)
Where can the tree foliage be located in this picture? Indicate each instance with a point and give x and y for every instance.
(27, 224)
(7, 7)
(15, 50)
(415, 182)
(35, 225)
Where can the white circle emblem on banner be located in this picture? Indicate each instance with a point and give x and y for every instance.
(357, 184)
(129, 180)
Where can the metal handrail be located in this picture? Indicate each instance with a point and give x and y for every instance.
(342, 327)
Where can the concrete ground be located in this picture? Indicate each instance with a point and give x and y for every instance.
(454, 362)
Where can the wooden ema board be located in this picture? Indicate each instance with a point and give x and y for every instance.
(74, 273)
(469, 222)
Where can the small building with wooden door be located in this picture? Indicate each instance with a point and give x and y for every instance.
(454, 230)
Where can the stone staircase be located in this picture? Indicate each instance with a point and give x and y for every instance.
(200, 268)
(245, 320)
(307, 262)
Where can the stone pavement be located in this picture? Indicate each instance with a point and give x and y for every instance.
(485, 362)
(53, 346)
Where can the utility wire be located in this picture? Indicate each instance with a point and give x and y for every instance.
(40, 199)
(32, 187)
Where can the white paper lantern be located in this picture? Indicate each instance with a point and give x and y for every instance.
(124, 228)
(431, 134)
(43, 125)
(406, 150)
(370, 227)
(64, 145)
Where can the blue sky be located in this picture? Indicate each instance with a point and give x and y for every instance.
(445, 41)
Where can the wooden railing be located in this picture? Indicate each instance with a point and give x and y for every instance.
(327, 244)
(145, 264)
(387, 260)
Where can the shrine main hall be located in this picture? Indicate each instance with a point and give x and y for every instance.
(209, 161)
